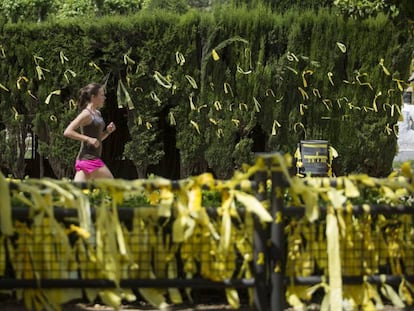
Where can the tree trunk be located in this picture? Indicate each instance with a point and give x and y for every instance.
(141, 171)
(59, 170)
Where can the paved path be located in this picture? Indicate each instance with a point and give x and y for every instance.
(15, 306)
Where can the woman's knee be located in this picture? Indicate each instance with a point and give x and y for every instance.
(80, 176)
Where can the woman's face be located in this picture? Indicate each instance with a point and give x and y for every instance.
(99, 99)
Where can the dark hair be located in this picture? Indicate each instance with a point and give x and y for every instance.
(86, 93)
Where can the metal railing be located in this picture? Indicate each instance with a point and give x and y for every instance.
(270, 251)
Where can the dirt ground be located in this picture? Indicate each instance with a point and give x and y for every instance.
(207, 302)
(212, 303)
(16, 306)
(97, 307)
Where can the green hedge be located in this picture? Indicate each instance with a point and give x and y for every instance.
(252, 99)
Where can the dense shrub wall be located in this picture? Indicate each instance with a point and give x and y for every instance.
(217, 86)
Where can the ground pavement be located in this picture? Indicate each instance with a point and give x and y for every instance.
(15, 306)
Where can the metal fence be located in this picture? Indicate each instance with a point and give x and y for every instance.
(288, 251)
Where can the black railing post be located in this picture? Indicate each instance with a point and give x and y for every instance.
(277, 240)
(260, 236)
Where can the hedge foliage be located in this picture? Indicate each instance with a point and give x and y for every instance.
(226, 83)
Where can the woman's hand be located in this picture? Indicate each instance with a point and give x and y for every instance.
(92, 141)
(110, 128)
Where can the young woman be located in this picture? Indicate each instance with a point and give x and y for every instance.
(89, 164)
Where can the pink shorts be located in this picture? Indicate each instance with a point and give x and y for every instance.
(88, 166)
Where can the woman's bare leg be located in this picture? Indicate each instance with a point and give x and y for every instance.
(102, 172)
(80, 176)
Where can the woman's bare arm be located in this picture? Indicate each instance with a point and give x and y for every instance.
(71, 130)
